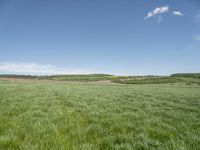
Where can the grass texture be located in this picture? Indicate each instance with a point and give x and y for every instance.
(66, 116)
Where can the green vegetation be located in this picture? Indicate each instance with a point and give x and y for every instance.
(86, 77)
(146, 80)
(174, 78)
(60, 116)
(193, 75)
(18, 76)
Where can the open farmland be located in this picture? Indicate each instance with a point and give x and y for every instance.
(67, 115)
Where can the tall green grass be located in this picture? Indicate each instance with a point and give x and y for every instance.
(60, 116)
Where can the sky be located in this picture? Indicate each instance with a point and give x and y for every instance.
(121, 37)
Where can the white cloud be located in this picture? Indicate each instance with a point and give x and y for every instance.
(177, 13)
(37, 69)
(158, 10)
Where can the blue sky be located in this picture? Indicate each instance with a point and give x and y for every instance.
(122, 37)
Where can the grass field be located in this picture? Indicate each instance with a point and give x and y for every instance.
(59, 116)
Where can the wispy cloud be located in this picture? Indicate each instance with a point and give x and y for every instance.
(159, 19)
(196, 44)
(197, 38)
(197, 17)
(37, 69)
(177, 13)
(159, 11)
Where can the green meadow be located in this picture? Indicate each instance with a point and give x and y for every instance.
(38, 115)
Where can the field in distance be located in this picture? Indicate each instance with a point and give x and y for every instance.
(187, 78)
(127, 113)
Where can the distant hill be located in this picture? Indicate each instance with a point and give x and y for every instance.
(191, 75)
(174, 78)
(18, 76)
(81, 77)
